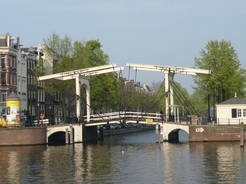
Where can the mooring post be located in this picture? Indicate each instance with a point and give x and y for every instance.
(67, 136)
(157, 133)
(71, 134)
(241, 134)
(161, 133)
(101, 133)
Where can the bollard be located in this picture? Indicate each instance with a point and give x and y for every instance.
(71, 134)
(67, 136)
(101, 133)
(157, 133)
(242, 135)
(161, 133)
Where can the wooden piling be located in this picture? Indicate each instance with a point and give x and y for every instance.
(161, 134)
(242, 135)
(101, 133)
(157, 134)
(71, 135)
(67, 136)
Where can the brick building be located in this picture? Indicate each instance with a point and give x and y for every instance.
(10, 57)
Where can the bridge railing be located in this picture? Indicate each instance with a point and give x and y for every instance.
(230, 121)
(124, 116)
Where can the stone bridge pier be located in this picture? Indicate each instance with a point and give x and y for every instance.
(71, 133)
(169, 131)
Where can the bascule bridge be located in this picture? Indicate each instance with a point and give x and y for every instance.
(81, 77)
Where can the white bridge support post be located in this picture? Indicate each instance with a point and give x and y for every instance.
(86, 82)
(77, 97)
(170, 77)
(167, 94)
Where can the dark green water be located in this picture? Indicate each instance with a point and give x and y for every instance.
(133, 158)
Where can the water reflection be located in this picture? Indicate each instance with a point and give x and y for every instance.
(133, 158)
(18, 162)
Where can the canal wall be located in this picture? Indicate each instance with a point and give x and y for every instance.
(89, 133)
(22, 136)
(38, 135)
(214, 133)
(126, 130)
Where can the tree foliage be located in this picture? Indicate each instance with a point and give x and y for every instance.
(227, 77)
(64, 55)
(134, 97)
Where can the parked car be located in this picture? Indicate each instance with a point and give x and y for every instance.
(110, 127)
(124, 125)
(134, 125)
(116, 126)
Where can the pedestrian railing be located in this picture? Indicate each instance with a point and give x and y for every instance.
(124, 116)
(230, 121)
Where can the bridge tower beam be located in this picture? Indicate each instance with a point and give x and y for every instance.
(169, 72)
(80, 79)
(169, 93)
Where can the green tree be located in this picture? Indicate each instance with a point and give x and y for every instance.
(56, 49)
(133, 97)
(227, 77)
(103, 87)
(64, 55)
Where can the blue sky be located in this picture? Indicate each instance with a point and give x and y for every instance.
(158, 32)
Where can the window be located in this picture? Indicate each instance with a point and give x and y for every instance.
(23, 86)
(3, 96)
(14, 62)
(3, 79)
(239, 113)
(234, 113)
(27, 62)
(12, 79)
(3, 61)
(10, 61)
(244, 112)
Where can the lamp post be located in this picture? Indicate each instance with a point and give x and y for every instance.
(38, 112)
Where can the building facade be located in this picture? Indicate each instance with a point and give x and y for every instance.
(17, 75)
(231, 111)
(9, 58)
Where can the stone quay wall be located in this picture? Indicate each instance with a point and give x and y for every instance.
(22, 136)
(214, 133)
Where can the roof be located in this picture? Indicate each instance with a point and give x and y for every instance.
(234, 100)
(13, 97)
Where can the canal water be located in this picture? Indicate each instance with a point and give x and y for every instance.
(132, 158)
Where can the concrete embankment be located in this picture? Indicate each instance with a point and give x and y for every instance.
(127, 130)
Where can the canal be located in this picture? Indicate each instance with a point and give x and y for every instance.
(132, 158)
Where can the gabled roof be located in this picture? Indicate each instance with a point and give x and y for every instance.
(234, 100)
